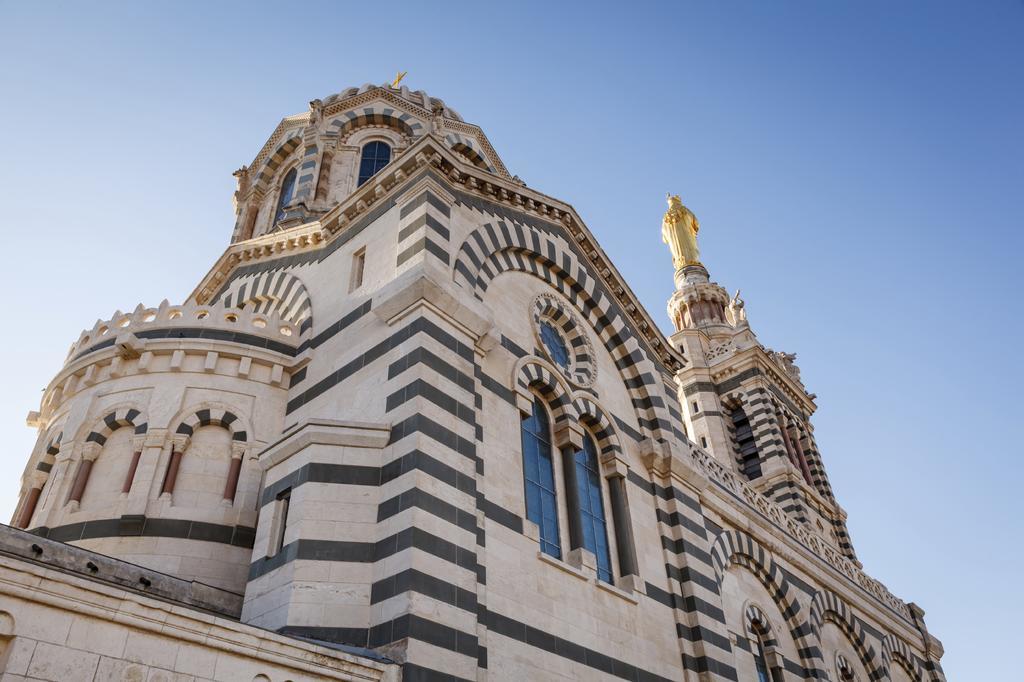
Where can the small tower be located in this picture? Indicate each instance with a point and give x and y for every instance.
(743, 402)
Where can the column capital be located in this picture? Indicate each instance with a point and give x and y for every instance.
(569, 434)
(238, 449)
(91, 450)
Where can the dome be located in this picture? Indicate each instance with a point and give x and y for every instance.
(416, 97)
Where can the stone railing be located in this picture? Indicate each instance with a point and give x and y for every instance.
(188, 315)
(720, 474)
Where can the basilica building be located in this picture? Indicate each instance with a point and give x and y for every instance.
(414, 425)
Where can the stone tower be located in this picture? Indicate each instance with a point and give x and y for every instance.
(413, 423)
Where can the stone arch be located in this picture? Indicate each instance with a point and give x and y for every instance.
(755, 618)
(736, 548)
(758, 626)
(213, 416)
(113, 462)
(465, 146)
(278, 292)
(591, 414)
(533, 374)
(828, 607)
(51, 450)
(274, 161)
(198, 470)
(896, 652)
(498, 247)
(116, 419)
(375, 115)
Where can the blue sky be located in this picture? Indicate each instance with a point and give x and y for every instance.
(856, 168)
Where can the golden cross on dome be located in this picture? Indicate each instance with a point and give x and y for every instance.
(398, 78)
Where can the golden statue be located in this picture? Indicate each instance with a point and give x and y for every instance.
(398, 79)
(679, 230)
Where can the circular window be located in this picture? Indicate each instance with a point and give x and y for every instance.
(562, 336)
(555, 344)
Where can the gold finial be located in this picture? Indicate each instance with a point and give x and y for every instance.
(398, 78)
(679, 230)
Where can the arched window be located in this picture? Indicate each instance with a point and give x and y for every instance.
(539, 478)
(746, 446)
(287, 190)
(376, 155)
(760, 662)
(846, 672)
(591, 507)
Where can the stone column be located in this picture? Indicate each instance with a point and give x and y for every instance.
(623, 524)
(137, 444)
(28, 507)
(231, 485)
(89, 453)
(177, 449)
(568, 438)
(615, 471)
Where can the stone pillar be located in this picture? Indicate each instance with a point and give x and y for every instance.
(431, 406)
(802, 458)
(129, 478)
(623, 524)
(231, 485)
(704, 640)
(177, 449)
(28, 507)
(90, 451)
(569, 440)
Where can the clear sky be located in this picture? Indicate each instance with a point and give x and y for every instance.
(857, 169)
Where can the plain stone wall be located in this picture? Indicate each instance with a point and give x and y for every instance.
(57, 627)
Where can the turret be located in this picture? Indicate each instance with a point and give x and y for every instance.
(148, 436)
(744, 402)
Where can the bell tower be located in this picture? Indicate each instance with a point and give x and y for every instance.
(743, 402)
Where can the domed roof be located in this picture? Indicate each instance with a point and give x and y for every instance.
(417, 97)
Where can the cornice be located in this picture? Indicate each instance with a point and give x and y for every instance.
(378, 93)
(756, 356)
(430, 152)
(799, 540)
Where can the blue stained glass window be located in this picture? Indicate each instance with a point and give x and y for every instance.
(539, 478)
(555, 344)
(287, 190)
(588, 487)
(376, 155)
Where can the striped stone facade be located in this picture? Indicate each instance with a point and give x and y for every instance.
(327, 440)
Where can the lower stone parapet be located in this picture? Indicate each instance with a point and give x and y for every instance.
(56, 624)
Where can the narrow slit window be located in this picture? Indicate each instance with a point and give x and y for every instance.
(285, 198)
(283, 502)
(358, 268)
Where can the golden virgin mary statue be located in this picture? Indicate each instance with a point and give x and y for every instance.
(679, 230)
